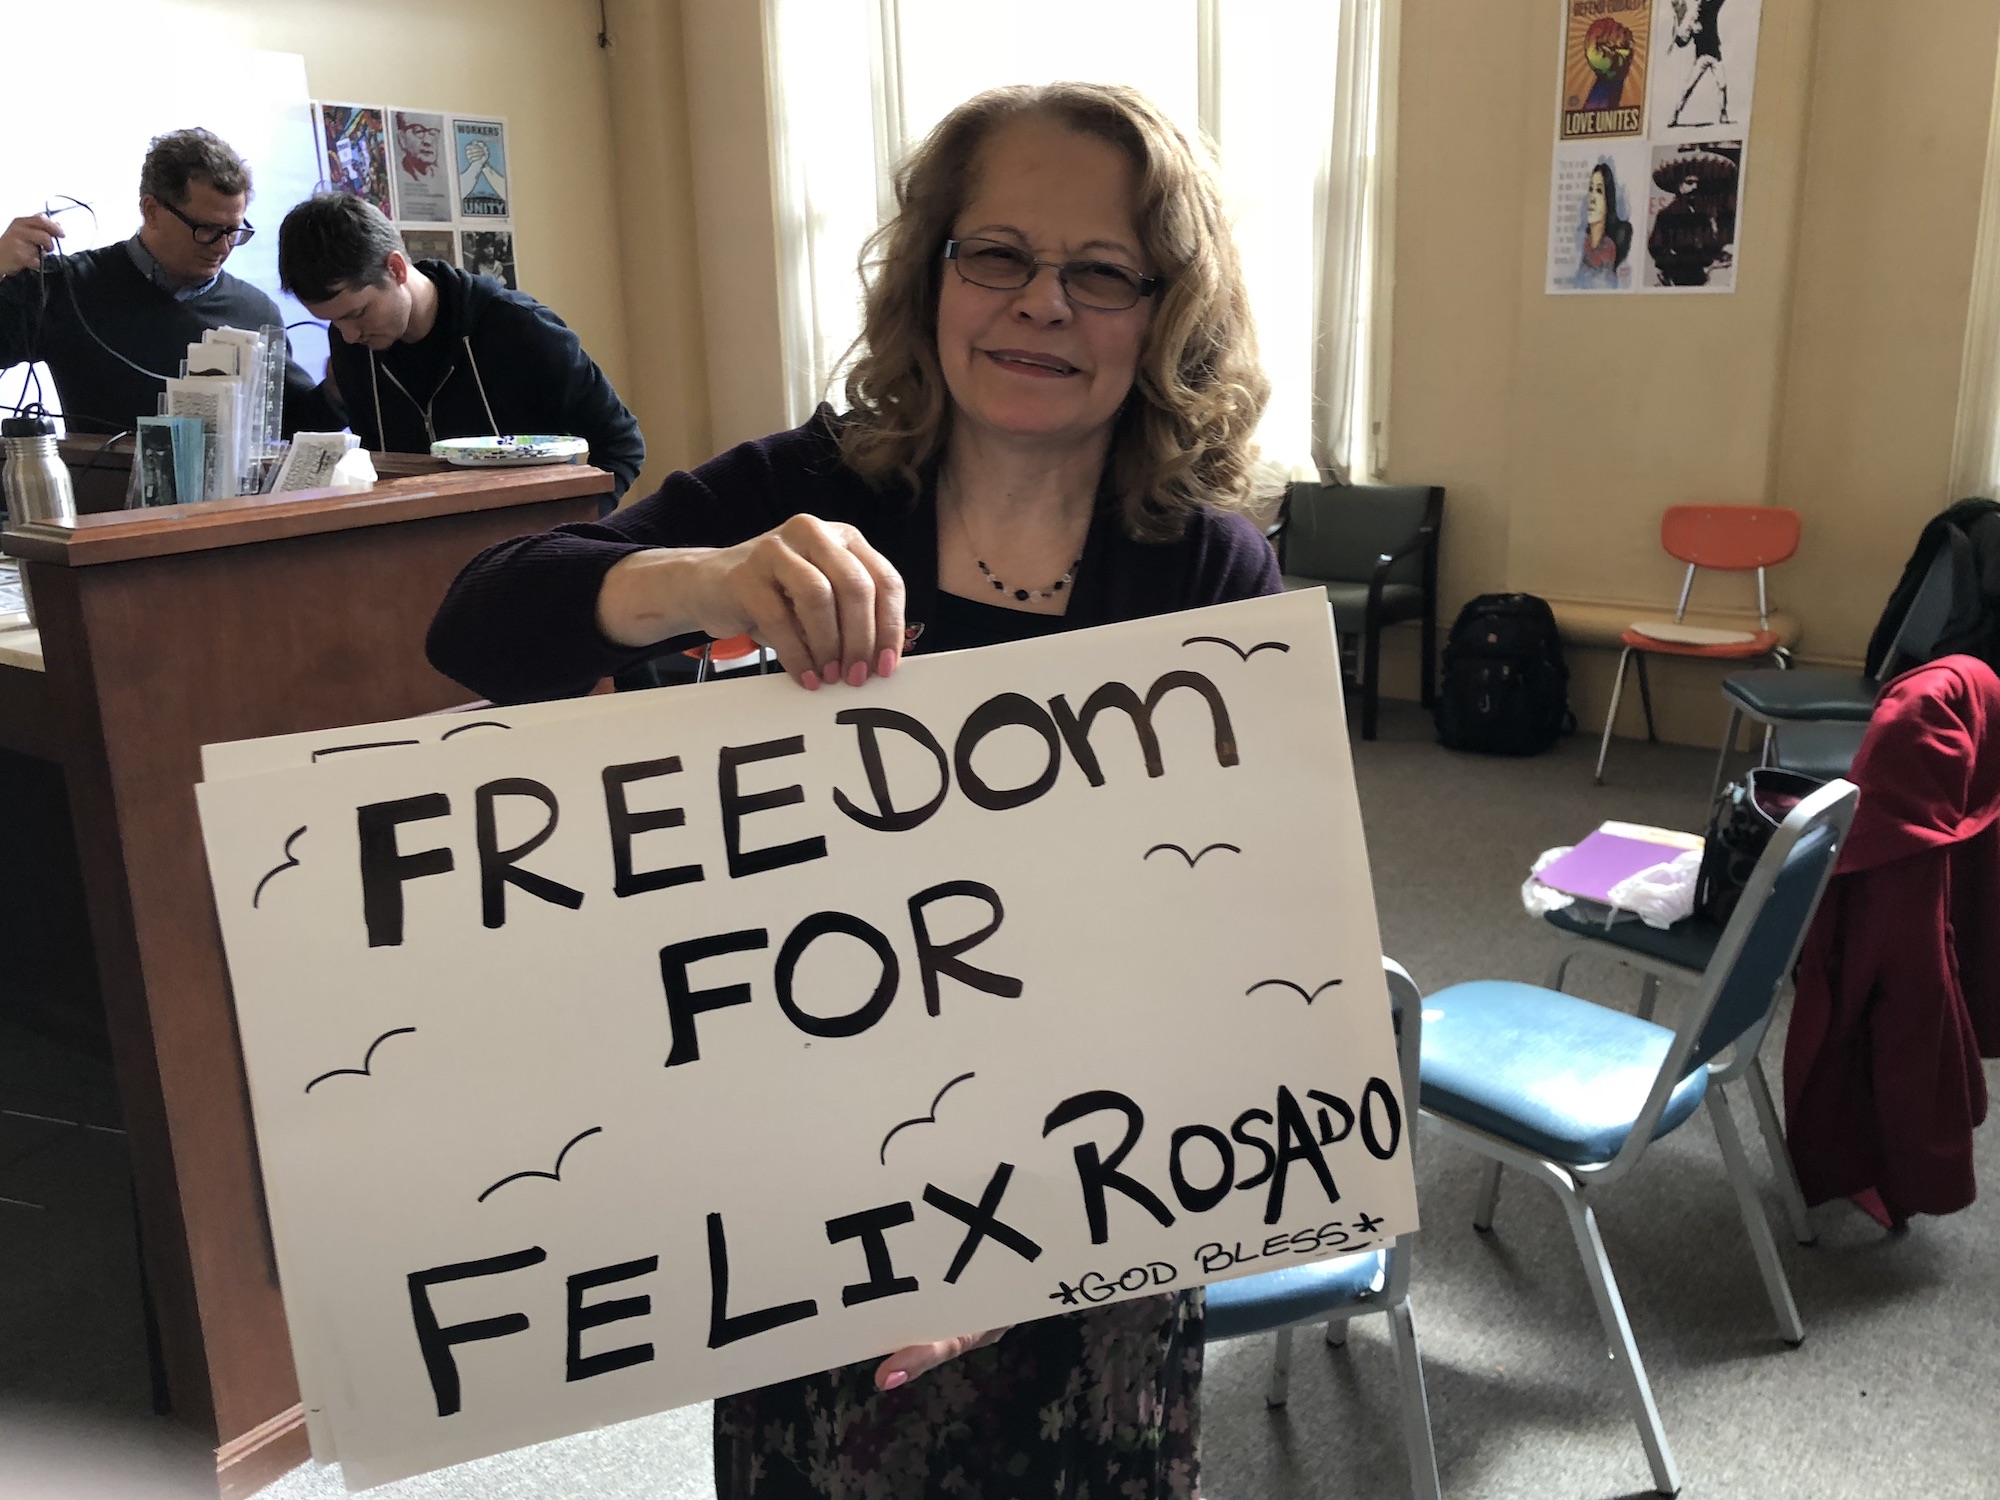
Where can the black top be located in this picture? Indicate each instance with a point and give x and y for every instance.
(1707, 36)
(495, 363)
(49, 314)
(959, 624)
(520, 622)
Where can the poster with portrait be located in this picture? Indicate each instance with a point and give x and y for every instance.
(355, 147)
(489, 252)
(1704, 68)
(1597, 217)
(1646, 173)
(431, 244)
(1605, 63)
(422, 175)
(479, 162)
(1691, 216)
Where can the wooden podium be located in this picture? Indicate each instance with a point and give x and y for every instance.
(160, 631)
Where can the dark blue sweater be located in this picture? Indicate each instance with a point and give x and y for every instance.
(50, 315)
(520, 622)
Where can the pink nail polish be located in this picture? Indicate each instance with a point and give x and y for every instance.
(809, 681)
(895, 1378)
(885, 664)
(857, 674)
(830, 673)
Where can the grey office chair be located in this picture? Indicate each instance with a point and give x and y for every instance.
(1374, 549)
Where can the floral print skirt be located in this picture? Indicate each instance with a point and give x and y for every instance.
(1095, 1405)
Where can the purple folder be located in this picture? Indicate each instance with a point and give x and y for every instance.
(1601, 861)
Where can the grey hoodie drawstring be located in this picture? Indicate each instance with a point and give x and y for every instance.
(430, 428)
(471, 359)
(381, 432)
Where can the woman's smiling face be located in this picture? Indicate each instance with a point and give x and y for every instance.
(1029, 364)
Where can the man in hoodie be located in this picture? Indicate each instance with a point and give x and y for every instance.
(425, 351)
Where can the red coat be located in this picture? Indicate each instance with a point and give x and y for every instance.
(1899, 980)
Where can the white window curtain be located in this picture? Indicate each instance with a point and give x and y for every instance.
(1290, 96)
(1356, 217)
(1975, 457)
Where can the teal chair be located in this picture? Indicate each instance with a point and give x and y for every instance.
(1373, 548)
(1820, 713)
(1373, 1281)
(1572, 1093)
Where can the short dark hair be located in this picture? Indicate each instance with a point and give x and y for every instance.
(333, 241)
(181, 156)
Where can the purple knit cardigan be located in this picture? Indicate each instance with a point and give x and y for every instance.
(519, 624)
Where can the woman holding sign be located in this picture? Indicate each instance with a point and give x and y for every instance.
(1049, 427)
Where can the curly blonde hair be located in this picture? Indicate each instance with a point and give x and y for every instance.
(1183, 440)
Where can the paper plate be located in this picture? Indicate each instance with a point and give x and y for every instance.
(509, 452)
(1692, 635)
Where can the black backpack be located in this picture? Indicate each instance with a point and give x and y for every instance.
(1505, 688)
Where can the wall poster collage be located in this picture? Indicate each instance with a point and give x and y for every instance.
(1651, 137)
(441, 178)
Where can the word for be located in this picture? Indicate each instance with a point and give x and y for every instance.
(386, 868)
(935, 959)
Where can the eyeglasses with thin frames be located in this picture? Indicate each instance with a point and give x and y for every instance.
(1001, 267)
(211, 234)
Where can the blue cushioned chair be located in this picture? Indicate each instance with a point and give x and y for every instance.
(1681, 954)
(1573, 1093)
(1373, 1281)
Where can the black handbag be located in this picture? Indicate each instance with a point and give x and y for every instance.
(1740, 826)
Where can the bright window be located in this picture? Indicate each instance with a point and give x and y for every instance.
(857, 82)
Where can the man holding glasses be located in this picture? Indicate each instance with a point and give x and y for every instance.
(114, 323)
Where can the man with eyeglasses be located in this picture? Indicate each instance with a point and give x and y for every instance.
(114, 323)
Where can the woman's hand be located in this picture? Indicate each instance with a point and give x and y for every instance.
(814, 591)
(906, 1364)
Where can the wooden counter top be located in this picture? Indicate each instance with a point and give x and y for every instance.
(121, 535)
(163, 630)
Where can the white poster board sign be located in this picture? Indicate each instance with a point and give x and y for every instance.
(613, 1056)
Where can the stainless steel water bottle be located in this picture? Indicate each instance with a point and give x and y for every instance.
(35, 478)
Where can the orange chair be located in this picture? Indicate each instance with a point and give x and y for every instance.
(1727, 538)
(732, 648)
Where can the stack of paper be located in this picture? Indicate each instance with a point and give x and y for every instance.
(13, 596)
(313, 456)
(172, 460)
(229, 386)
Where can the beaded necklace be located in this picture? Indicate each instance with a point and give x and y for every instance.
(999, 584)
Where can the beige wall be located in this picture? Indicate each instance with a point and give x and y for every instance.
(1890, 213)
(534, 61)
(735, 214)
(652, 239)
(1561, 426)
(1828, 381)
(654, 182)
